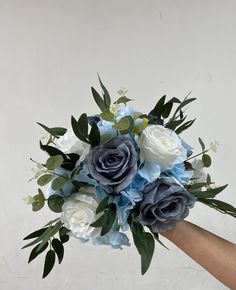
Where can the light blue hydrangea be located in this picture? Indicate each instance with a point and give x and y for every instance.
(114, 238)
(179, 173)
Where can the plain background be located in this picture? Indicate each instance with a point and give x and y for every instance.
(50, 52)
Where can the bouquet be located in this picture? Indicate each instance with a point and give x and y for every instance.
(116, 171)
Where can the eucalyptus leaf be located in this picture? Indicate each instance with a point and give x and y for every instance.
(55, 203)
(49, 262)
(58, 182)
(44, 179)
(206, 160)
(125, 125)
(54, 162)
(185, 126)
(39, 201)
(107, 115)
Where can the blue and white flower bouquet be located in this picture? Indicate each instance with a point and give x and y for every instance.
(116, 171)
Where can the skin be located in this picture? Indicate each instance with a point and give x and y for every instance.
(215, 254)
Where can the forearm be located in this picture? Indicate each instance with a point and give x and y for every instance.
(215, 254)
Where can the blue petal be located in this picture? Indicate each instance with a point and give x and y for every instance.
(179, 172)
(114, 238)
(150, 171)
(83, 176)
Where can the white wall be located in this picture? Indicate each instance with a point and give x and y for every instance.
(50, 52)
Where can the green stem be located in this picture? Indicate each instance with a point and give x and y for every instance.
(203, 152)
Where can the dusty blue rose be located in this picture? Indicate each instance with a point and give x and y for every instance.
(164, 205)
(114, 164)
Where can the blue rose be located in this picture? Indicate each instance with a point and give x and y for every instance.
(164, 205)
(114, 164)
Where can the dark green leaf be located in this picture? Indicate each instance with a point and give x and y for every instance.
(208, 179)
(220, 206)
(49, 262)
(34, 253)
(35, 234)
(78, 131)
(157, 111)
(52, 151)
(145, 245)
(196, 186)
(52, 222)
(64, 238)
(54, 162)
(185, 126)
(201, 143)
(156, 237)
(102, 205)
(44, 179)
(210, 193)
(174, 124)
(206, 159)
(98, 99)
(55, 203)
(183, 104)
(55, 131)
(59, 249)
(94, 136)
(98, 223)
(58, 182)
(125, 125)
(107, 98)
(168, 107)
(188, 165)
(109, 219)
(83, 124)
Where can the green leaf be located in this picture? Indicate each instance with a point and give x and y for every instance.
(220, 206)
(35, 234)
(208, 180)
(196, 186)
(58, 182)
(55, 203)
(188, 165)
(44, 179)
(39, 201)
(158, 109)
(107, 98)
(94, 136)
(98, 99)
(34, 253)
(52, 222)
(107, 115)
(54, 162)
(174, 124)
(52, 151)
(79, 131)
(145, 245)
(168, 107)
(49, 262)
(107, 220)
(55, 131)
(49, 233)
(206, 159)
(123, 100)
(156, 237)
(59, 249)
(201, 143)
(210, 193)
(183, 104)
(102, 205)
(63, 234)
(125, 125)
(185, 126)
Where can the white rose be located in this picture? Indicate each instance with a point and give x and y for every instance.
(69, 143)
(162, 145)
(79, 212)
